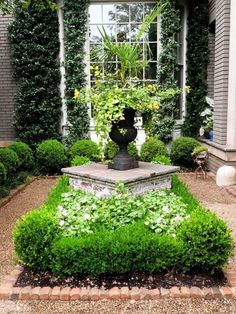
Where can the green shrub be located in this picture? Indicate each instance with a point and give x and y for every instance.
(25, 155)
(181, 151)
(111, 149)
(161, 160)
(10, 160)
(51, 157)
(132, 248)
(207, 242)
(3, 173)
(4, 191)
(86, 148)
(151, 148)
(33, 236)
(79, 161)
(200, 149)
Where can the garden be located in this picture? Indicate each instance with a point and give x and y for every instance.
(78, 234)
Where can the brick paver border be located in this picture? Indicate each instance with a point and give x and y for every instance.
(9, 292)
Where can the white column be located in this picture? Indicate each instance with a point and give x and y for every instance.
(231, 119)
(63, 121)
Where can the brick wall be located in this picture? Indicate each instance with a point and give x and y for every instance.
(8, 85)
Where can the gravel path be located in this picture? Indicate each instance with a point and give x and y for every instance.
(32, 197)
(206, 191)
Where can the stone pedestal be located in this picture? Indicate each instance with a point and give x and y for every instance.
(98, 179)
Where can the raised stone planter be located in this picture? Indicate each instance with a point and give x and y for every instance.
(98, 179)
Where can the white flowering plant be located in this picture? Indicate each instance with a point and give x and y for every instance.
(207, 115)
(80, 213)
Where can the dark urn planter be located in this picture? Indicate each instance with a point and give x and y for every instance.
(122, 133)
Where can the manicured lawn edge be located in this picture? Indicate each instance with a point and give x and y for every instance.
(9, 292)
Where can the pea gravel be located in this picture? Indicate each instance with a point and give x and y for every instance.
(214, 198)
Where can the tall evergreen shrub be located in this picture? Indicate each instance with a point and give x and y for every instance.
(35, 47)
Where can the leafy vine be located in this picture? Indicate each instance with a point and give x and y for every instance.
(75, 20)
(163, 122)
(197, 60)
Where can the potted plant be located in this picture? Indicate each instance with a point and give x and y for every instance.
(118, 94)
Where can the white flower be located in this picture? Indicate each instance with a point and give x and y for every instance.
(177, 218)
(201, 131)
(86, 216)
(174, 235)
(60, 208)
(159, 219)
(94, 206)
(62, 222)
(165, 208)
(65, 195)
(64, 212)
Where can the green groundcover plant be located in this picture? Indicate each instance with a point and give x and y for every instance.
(78, 233)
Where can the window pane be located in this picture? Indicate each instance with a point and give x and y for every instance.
(136, 12)
(151, 71)
(122, 11)
(134, 28)
(95, 13)
(109, 13)
(94, 33)
(122, 33)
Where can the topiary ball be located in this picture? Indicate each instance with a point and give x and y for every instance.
(51, 157)
(182, 149)
(86, 148)
(111, 150)
(9, 159)
(3, 173)
(24, 153)
(151, 148)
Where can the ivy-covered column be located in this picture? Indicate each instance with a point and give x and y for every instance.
(75, 21)
(163, 122)
(197, 60)
(35, 47)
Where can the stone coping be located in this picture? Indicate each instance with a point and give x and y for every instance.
(100, 172)
(9, 292)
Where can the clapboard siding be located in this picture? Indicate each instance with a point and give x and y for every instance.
(215, 162)
(222, 16)
(212, 10)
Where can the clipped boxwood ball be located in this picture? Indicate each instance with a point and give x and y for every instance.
(86, 148)
(111, 149)
(182, 149)
(3, 173)
(24, 153)
(51, 157)
(151, 148)
(10, 159)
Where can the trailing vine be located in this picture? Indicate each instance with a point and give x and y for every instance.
(35, 47)
(75, 19)
(197, 60)
(163, 122)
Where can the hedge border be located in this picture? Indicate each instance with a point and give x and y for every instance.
(9, 292)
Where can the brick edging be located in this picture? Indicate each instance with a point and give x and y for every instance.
(9, 292)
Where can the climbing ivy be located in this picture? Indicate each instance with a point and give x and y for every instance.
(75, 19)
(163, 122)
(197, 60)
(35, 47)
